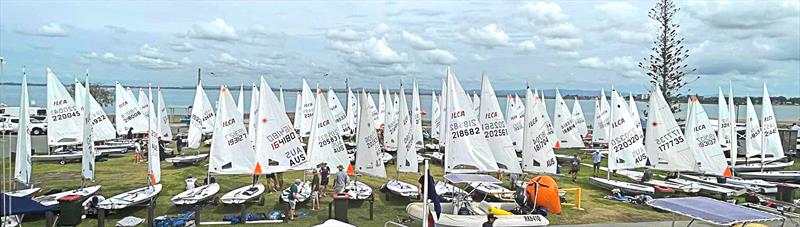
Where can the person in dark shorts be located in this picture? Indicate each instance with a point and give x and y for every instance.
(575, 167)
(596, 159)
(315, 191)
(323, 183)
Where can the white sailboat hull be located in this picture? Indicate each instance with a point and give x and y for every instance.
(304, 192)
(754, 167)
(131, 198)
(448, 219)
(52, 199)
(493, 191)
(385, 157)
(709, 188)
(401, 188)
(448, 191)
(187, 159)
(196, 195)
(625, 187)
(243, 194)
(691, 187)
(358, 190)
(781, 176)
(23, 192)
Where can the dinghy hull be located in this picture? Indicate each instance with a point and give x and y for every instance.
(52, 199)
(196, 195)
(625, 187)
(187, 159)
(447, 219)
(402, 189)
(131, 198)
(243, 194)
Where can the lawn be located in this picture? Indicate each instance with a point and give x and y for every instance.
(120, 174)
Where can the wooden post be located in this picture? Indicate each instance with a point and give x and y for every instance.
(197, 215)
(371, 201)
(48, 216)
(242, 208)
(151, 212)
(101, 217)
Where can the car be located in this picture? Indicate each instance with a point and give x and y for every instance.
(10, 124)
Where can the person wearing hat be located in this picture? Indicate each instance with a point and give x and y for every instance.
(315, 190)
(490, 220)
(341, 179)
(324, 172)
(292, 197)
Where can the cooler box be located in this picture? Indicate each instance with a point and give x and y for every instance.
(71, 209)
(341, 203)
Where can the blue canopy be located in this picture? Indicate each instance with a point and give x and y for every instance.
(713, 211)
(11, 205)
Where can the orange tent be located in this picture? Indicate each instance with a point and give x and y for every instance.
(547, 190)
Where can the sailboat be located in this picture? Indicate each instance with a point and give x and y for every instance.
(436, 122)
(240, 102)
(128, 115)
(201, 121)
(757, 144)
(253, 121)
(306, 110)
(407, 161)
(22, 163)
(516, 121)
(600, 126)
(567, 133)
(338, 112)
(352, 114)
(381, 115)
(368, 149)
(495, 130)
(102, 129)
(390, 126)
(64, 122)
(537, 148)
(149, 192)
(626, 149)
(770, 145)
(325, 144)
(580, 121)
(165, 131)
(231, 151)
(416, 120)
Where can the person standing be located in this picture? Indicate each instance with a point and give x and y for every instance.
(138, 157)
(796, 128)
(596, 158)
(279, 179)
(489, 221)
(324, 178)
(341, 180)
(271, 187)
(575, 167)
(130, 133)
(315, 190)
(292, 198)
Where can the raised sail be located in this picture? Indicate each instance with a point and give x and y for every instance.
(144, 103)
(416, 116)
(567, 134)
(127, 113)
(298, 111)
(231, 151)
(325, 144)
(476, 102)
(634, 111)
(372, 108)
(163, 119)
(769, 127)
(253, 121)
(64, 119)
(406, 151)
(601, 120)
(467, 149)
(368, 147)
(537, 147)
(516, 121)
(753, 136)
(102, 129)
(307, 110)
(580, 121)
(625, 149)
(381, 108)
(338, 112)
(390, 128)
(281, 100)
(436, 117)
(153, 159)
(495, 130)
(352, 112)
(703, 142)
(87, 157)
(240, 103)
(665, 143)
(278, 146)
(201, 119)
(723, 120)
(22, 163)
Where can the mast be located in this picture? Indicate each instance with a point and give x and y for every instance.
(734, 140)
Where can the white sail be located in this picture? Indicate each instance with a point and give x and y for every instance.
(516, 121)
(153, 153)
(278, 145)
(443, 106)
(87, 157)
(326, 144)
(252, 132)
(567, 133)
(231, 151)
(390, 128)
(467, 149)
(281, 100)
(495, 131)
(22, 163)
(372, 108)
(634, 111)
(625, 148)
(201, 119)
(544, 102)
(127, 112)
(165, 132)
(298, 111)
(144, 103)
(769, 127)
(381, 109)
(580, 121)
(102, 129)
(367, 145)
(307, 110)
(352, 112)
(406, 151)
(666, 145)
(752, 132)
(436, 117)
(548, 124)
(476, 102)
(600, 127)
(240, 103)
(734, 143)
(537, 147)
(703, 142)
(64, 120)
(338, 112)
(723, 120)
(416, 116)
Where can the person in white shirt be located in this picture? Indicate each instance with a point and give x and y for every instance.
(796, 128)
(139, 156)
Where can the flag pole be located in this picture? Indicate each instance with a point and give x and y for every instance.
(425, 184)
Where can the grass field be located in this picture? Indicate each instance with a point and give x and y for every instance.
(120, 174)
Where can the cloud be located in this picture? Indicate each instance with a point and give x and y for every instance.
(478, 57)
(110, 57)
(438, 56)
(526, 46)
(216, 30)
(186, 61)
(150, 57)
(563, 44)
(625, 66)
(747, 14)
(182, 47)
(116, 29)
(224, 58)
(150, 51)
(418, 42)
(381, 29)
(346, 34)
(543, 13)
(48, 30)
(370, 51)
(562, 30)
(488, 36)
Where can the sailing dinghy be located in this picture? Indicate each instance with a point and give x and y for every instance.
(102, 129)
(22, 163)
(153, 188)
(407, 161)
(770, 145)
(201, 121)
(568, 134)
(390, 125)
(368, 148)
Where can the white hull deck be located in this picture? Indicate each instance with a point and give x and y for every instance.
(477, 216)
(187, 159)
(779, 176)
(755, 167)
(131, 198)
(304, 192)
(243, 194)
(23, 192)
(196, 195)
(707, 188)
(493, 191)
(400, 188)
(52, 199)
(357, 190)
(625, 187)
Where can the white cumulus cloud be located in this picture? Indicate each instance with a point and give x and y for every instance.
(542, 13)
(216, 30)
(488, 36)
(48, 30)
(438, 56)
(526, 46)
(182, 47)
(418, 42)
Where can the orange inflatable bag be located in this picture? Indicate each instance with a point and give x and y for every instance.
(547, 190)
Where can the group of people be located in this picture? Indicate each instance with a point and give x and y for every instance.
(319, 184)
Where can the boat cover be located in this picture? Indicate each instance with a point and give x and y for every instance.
(466, 178)
(713, 211)
(21, 205)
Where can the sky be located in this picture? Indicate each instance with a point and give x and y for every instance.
(585, 45)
